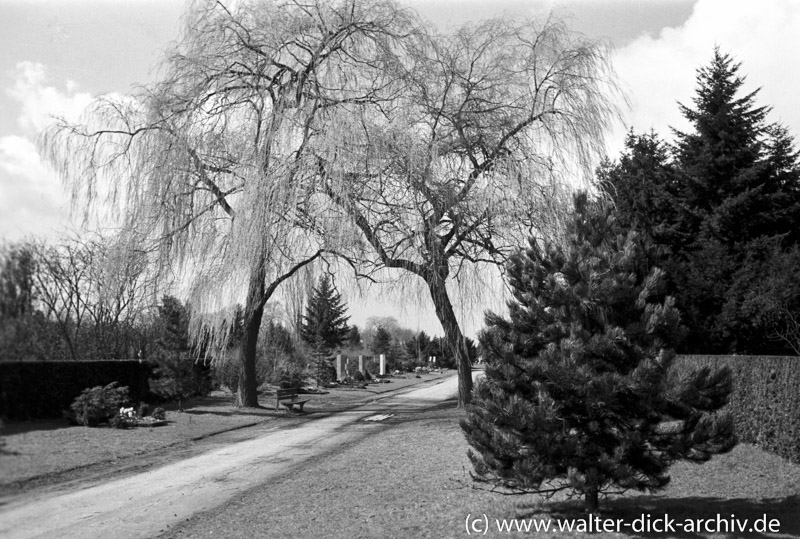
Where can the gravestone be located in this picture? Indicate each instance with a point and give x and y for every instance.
(340, 374)
(383, 364)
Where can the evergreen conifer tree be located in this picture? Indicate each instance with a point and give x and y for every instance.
(324, 326)
(177, 375)
(353, 337)
(722, 206)
(381, 341)
(577, 393)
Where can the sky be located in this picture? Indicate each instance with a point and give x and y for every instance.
(55, 55)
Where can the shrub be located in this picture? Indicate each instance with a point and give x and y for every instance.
(160, 414)
(765, 403)
(119, 422)
(324, 370)
(291, 376)
(358, 376)
(144, 410)
(226, 371)
(98, 405)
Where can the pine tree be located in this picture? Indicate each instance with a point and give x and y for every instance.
(353, 338)
(177, 376)
(577, 392)
(381, 341)
(419, 347)
(642, 184)
(324, 326)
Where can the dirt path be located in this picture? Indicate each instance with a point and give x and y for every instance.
(145, 504)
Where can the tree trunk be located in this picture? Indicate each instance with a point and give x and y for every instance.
(247, 392)
(590, 500)
(591, 489)
(454, 338)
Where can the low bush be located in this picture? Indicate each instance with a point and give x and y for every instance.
(765, 402)
(98, 405)
(225, 371)
(291, 376)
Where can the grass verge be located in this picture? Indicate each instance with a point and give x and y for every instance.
(36, 453)
(412, 481)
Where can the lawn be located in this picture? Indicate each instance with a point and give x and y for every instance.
(37, 453)
(412, 481)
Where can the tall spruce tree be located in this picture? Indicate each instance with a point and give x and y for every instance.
(578, 393)
(719, 205)
(324, 326)
(740, 177)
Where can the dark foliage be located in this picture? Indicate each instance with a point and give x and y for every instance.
(179, 374)
(765, 403)
(324, 326)
(577, 394)
(381, 342)
(42, 389)
(721, 207)
(98, 405)
(353, 338)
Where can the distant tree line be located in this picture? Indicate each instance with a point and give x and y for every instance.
(77, 299)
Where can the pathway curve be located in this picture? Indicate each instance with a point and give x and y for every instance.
(145, 504)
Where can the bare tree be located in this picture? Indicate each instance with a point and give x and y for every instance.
(470, 159)
(216, 162)
(96, 285)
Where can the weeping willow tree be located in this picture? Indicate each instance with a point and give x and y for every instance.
(215, 165)
(473, 155)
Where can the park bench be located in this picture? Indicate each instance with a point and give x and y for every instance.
(288, 398)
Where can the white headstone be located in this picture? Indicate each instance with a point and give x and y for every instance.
(383, 364)
(339, 367)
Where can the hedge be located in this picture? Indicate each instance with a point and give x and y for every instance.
(41, 389)
(765, 402)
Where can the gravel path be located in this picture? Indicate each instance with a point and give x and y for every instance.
(146, 504)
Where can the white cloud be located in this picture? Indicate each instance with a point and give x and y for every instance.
(32, 200)
(39, 102)
(660, 71)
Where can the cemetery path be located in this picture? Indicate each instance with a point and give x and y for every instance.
(147, 503)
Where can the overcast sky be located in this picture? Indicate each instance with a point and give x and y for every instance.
(56, 54)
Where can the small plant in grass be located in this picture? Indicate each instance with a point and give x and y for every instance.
(160, 414)
(98, 405)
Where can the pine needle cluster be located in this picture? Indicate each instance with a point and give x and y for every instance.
(578, 393)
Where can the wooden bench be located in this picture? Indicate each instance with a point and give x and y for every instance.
(288, 398)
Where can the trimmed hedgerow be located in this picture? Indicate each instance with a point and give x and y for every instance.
(40, 389)
(765, 402)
